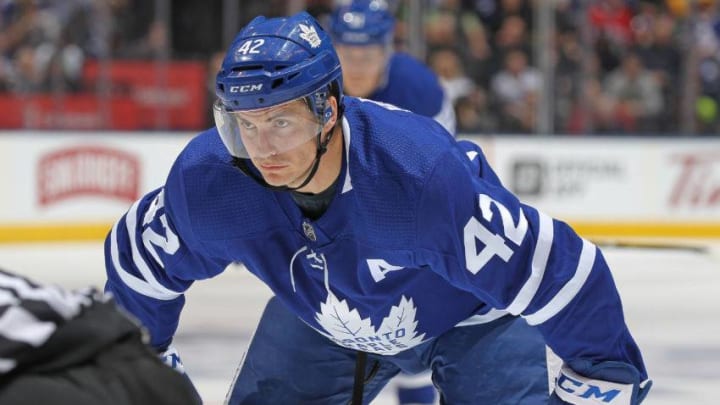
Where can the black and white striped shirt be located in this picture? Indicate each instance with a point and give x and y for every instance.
(31, 313)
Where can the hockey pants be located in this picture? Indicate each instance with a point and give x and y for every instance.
(501, 362)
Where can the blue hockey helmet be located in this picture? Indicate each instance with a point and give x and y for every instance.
(362, 22)
(276, 60)
(271, 64)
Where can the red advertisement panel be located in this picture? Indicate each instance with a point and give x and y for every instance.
(138, 96)
(88, 171)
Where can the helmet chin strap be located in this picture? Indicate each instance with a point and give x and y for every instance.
(320, 151)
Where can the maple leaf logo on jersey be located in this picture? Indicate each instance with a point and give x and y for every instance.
(347, 328)
(310, 35)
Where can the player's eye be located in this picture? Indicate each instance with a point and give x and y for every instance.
(247, 125)
(281, 123)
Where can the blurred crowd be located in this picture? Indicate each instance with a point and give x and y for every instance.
(618, 66)
(44, 43)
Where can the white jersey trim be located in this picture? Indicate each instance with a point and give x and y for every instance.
(411, 381)
(489, 316)
(151, 287)
(539, 263)
(131, 223)
(570, 289)
(347, 185)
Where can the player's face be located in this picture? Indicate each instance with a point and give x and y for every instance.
(280, 141)
(363, 68)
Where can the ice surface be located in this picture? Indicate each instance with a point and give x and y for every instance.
(671, 297)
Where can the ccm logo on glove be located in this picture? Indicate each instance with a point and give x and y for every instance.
(575, 389)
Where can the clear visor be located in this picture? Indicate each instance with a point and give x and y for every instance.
(251, 134)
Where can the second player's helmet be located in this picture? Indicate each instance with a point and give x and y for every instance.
(362, 22)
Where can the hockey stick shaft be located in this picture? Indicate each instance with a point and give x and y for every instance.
(359, 383)
(653, 245)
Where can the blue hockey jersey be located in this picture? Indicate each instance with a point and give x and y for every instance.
(411, 85)
(421, 236)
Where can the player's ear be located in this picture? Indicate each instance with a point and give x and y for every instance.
(330, 113)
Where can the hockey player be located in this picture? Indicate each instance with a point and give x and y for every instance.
(65, 347)
(389, 246)
(362, 32)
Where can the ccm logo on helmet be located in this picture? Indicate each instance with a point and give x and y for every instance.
(247, 88)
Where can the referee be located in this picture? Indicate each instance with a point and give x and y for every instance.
(62, 347)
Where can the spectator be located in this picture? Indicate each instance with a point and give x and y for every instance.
(474, 115)
(446, 63)
(611, 19)
(64, 69)
(515, 88)
(593, 113)
(5, 79)
(659, 53)
(568, 67)
(513, 35)
(27, 76)
(21, 25)
(130, 22)
(448, 23)
(636, 94)
(494, 12)
(153, 45)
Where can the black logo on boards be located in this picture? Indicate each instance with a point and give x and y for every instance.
(563, 177)
(528, 177)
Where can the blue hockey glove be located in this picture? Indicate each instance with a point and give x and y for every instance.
(610, 382)
(172, 359)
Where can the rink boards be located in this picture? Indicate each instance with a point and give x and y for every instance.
(69, 186)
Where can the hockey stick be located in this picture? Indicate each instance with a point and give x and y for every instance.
(359, 383)
(700, 249)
